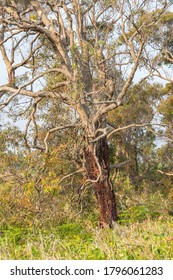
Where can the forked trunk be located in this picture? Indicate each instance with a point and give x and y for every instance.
(98, 170)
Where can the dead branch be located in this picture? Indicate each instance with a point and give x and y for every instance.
(165, 173)
(119, 165)
(62, 127)
(81, 170)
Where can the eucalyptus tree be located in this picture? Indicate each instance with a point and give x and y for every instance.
(93, 49)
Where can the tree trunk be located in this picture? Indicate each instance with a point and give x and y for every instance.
(98, 170)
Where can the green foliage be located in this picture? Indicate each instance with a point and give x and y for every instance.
(138, 213)
(166, 108)
(167, 17)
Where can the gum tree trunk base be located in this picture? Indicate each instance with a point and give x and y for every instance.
(106, 203)
(98, 170)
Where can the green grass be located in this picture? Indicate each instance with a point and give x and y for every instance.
(149, 239)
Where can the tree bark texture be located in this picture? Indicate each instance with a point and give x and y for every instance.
(98, 171)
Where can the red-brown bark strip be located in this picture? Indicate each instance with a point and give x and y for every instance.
(102, 185)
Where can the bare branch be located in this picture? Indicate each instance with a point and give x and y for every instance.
(126, 127)
(81, 170)
(165, 173)
(119, 165)
(62, 127)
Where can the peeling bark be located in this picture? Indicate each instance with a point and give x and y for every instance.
(98, 170)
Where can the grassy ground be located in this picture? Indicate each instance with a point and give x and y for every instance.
(150, 239)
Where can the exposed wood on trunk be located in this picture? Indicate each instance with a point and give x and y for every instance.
(97, 159)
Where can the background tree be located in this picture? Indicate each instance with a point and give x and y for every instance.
(134, 144)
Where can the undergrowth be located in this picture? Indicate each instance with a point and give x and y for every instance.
(144, 230)
(150, 239)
